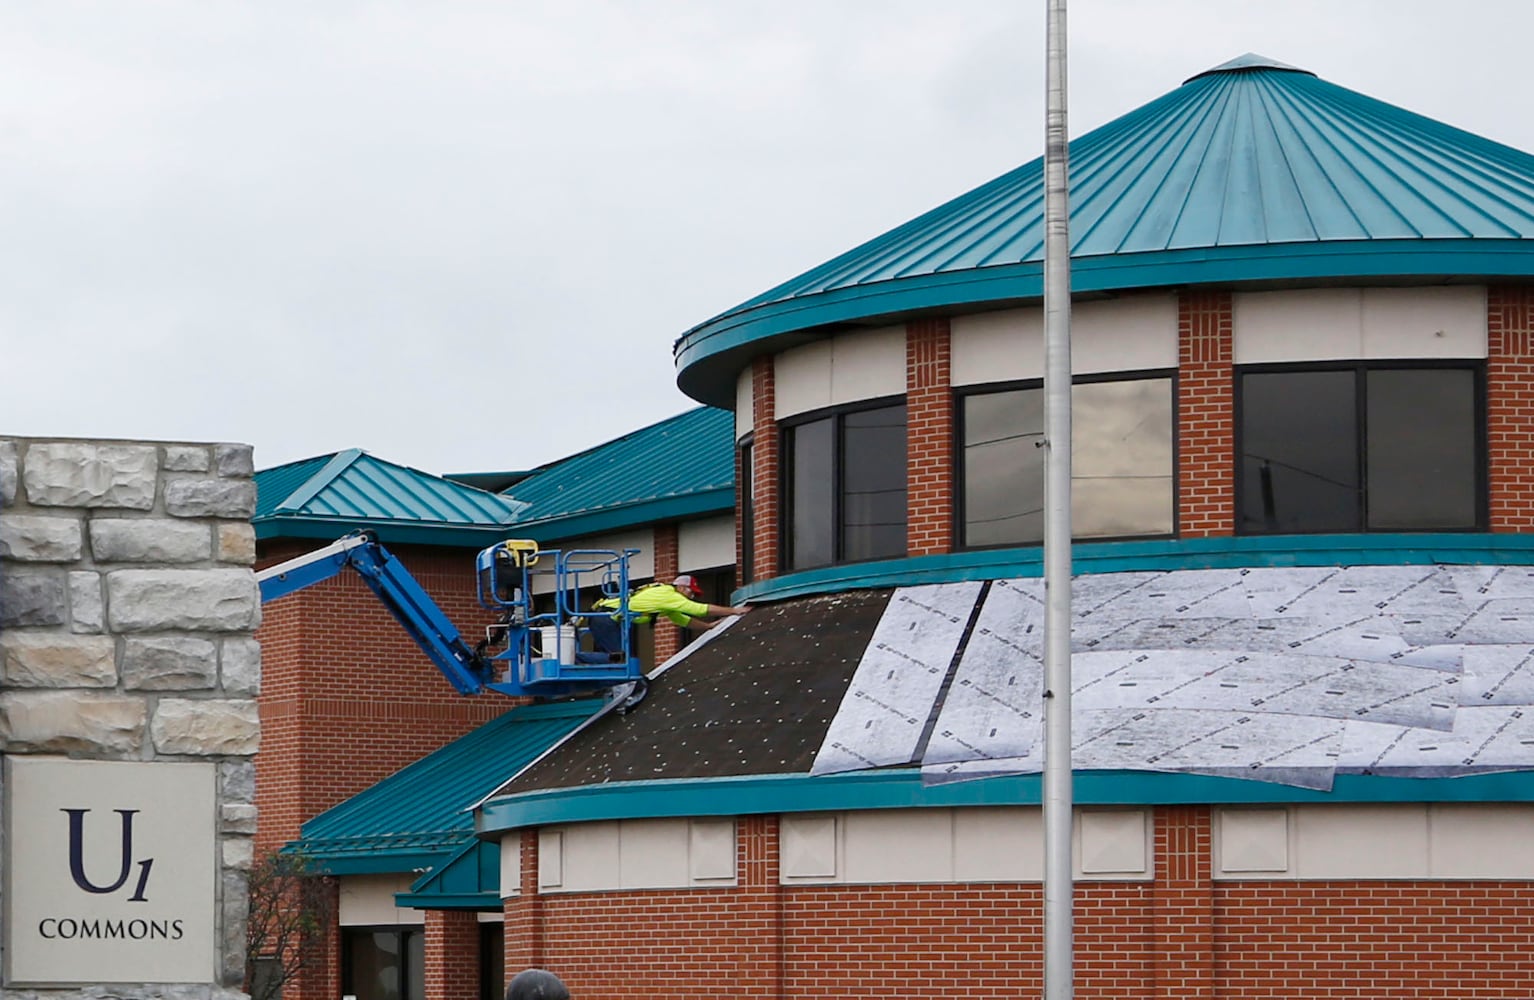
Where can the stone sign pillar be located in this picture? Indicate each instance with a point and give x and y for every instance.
(128, 680)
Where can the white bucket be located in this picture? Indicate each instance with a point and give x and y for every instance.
(559, 642)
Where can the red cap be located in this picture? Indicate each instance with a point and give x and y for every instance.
(688, 584)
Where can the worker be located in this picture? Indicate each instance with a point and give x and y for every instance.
(536, 984)
(681, 601)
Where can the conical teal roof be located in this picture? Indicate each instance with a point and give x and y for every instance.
(1253, 171)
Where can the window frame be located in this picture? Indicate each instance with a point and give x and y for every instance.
(786, 474)
(1360, 369)
(961, 393)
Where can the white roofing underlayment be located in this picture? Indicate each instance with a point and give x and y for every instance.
(1275, 674)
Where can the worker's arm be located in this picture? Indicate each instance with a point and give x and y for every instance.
(721, 611)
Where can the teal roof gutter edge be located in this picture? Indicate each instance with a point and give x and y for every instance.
(718, 500)
(1231, 552)
(395, 532)
(703, 351)
(376, 863)
(903, 789)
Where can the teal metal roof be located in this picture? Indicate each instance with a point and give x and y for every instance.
(328, 496)
(682, 467)
(418, 817)
(1253, 171)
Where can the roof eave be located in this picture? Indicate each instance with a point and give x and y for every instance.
(709, 357)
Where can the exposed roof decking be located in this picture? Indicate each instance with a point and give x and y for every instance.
(1252, 171)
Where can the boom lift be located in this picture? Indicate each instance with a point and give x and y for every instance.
(525, 652)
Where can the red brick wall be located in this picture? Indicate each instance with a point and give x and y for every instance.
(1374, 939)
(1182, 900)
(1179, 935)
(668, 638)
(1206, 448)
(452, 955)
(522, 939)
(346, 697)
(929, 438)
(764, 472)
(1510, 406)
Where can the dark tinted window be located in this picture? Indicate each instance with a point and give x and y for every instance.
(1422, 456)
(1299, 452)
(811, 493)
(873, 501)
(1377, 449)
(747, 487)
(1121, 464)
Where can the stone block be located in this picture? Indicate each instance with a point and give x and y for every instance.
(237, 817)
(72, 722)
(214, 600)
(236, 914)
(185, 458)
(235, 461)
(58, 660)
(169, 663)
(29, 538)
(145, 539)
(240, 666)
(8, 456)
(236, 543)
(32, 597)
(236, 781)
(86, 610)
(237, 852)
(211, 727)
(210, 498)
(81, 474)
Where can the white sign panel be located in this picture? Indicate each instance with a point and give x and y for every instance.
(112, 872)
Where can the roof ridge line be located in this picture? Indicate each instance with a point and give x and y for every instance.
(339, 463)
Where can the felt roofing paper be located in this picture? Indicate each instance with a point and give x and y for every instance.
(1275, 674)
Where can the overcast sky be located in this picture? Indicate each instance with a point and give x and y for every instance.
(463, 236)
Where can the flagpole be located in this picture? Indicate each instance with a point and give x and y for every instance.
(1059, 976)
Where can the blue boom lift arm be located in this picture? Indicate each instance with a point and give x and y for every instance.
(538, 653)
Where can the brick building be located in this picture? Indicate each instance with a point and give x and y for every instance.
(1301, 336)
(369, 758)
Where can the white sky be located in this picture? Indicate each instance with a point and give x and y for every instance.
(463, 236)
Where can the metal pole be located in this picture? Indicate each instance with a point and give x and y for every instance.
(1059, 976)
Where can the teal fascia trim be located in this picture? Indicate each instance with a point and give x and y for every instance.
(903, 789)
(382, 863)
(752, 331)
(469, 880)
(388, 532)
(719, 500)
(1235, 552)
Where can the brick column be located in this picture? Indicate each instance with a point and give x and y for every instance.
(320, 977)
(929, 438)
(1510, 406)
(668, 638)
(764, 471)
(760, 897)
(1206, 427)
(522, 939)
(452, 955)
(1182, 900)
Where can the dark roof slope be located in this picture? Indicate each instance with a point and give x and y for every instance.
(757, 700)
